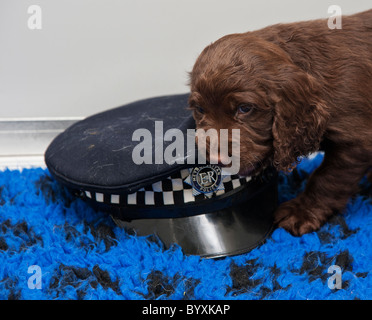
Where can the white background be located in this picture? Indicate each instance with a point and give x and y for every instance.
(94, 55)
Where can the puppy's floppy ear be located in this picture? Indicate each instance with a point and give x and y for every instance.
(300, 118)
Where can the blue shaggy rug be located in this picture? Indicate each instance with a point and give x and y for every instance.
(54, 246)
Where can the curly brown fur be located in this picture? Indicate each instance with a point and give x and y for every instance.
(291, 89)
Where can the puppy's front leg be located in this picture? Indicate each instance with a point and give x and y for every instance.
(328, 190)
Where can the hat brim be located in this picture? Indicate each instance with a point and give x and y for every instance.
(230, 231)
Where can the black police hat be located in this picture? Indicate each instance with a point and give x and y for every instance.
(214, 217)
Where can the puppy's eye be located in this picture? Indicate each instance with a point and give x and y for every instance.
(199, 109)
(244, 108)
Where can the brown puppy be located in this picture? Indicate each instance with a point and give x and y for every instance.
(291, 88)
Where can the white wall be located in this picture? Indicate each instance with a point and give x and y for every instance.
(93, 55)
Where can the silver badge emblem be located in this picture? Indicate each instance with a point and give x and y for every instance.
(205, 180)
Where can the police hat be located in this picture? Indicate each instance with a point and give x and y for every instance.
(195, 205)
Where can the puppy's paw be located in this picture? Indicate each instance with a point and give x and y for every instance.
(297, 218)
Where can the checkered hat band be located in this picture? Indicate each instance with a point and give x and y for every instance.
(171, 191)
